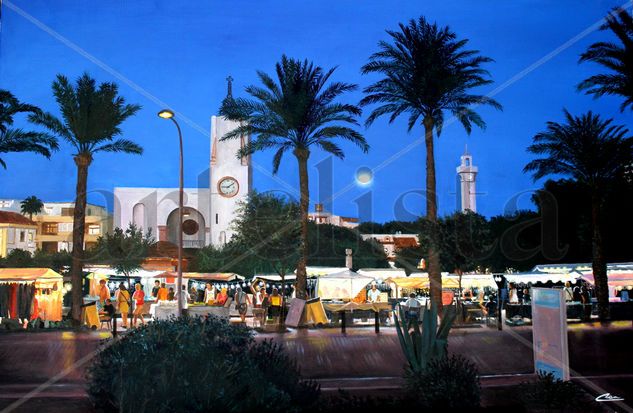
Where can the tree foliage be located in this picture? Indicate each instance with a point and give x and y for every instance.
(16, 139)
(124, 250)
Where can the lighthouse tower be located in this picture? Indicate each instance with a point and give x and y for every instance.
(466, 178)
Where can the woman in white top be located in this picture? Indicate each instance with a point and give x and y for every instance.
(209, 293)
(513, 297)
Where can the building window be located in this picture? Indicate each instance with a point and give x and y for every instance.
(94, 229)
(31, 236)
(68, 212)
(65, 227)
(10, 235)
(89, 211)
(49, 228)
(22, 236)
(216, 218)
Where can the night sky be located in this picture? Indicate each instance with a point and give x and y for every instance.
(178, 54)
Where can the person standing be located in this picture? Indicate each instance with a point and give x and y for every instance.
(374, 294)
(184, 298)
(241, 303)
(275, 305)
(260, 296)
(171, 295)
(155, 289)
(123, 301)
(104, 292)
(163, 294)
(513, 295)
(568, 292)
(209, 294)
(139, 301)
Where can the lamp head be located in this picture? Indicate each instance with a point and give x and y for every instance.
(166, 114)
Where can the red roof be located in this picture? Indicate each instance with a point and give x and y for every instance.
(409, 242)
(7, 217)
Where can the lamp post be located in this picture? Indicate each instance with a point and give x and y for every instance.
(168, 114)
(500, 281)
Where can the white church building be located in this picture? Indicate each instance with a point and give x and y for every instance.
(208, 212)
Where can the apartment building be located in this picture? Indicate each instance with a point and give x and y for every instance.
(55, 224)
(16, 232)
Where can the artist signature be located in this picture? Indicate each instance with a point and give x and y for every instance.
(608, 397)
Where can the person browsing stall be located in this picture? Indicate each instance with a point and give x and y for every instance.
(373, 295)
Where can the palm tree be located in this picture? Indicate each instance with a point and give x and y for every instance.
(91, 120)
(295, 114)
(427, 72)
(18, 140)
(31, 205)
(616, 58)
(594, 153)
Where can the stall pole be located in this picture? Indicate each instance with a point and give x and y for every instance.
(342, 313)
(377, 320)
(114, 317)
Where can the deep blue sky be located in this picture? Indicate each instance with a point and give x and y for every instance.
(181, 53)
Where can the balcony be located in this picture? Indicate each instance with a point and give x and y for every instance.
(192, 243)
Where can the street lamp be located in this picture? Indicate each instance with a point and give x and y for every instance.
(500, 281)
(168, 114)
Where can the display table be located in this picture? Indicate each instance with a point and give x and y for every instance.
(574, 310)
(163, 311)
(207, 310)
(342, 309)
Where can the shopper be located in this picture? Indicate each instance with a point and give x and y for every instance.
(162, 294)
(412, 308)
(374, 294)
(568, 292)
(260, 296)
(183, 298)
(513, 295)
(104, 292)
(123, 301)
(209, 294)
(156, 289)
(275, 305)
(139, 301)
(242, 302)
(221, 298)
(171, 296)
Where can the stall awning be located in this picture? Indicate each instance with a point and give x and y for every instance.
(206, 276)
(422, 281)
(616, 278)
(28, 274)
(543, 277)
(342, 285)
(275, 277)
(321, 271)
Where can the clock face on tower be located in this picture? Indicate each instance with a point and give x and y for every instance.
(228, 187)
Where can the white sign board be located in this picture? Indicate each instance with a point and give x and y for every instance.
(549, 332)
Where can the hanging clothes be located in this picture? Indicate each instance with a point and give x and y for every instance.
(13, 300)
(4, 300)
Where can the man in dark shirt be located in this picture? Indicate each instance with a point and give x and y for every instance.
(156, 288)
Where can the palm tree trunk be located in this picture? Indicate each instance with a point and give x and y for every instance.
(599, 264)
(435, 275)
(79, 221)
(302, 278)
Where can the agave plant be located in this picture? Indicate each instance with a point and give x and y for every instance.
(431, 343)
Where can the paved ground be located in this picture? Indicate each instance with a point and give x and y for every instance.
(358, 359)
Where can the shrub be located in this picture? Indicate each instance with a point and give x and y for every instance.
(195, 365)
(551, 394)
(448, 383)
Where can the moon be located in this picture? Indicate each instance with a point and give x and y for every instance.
(364, 176)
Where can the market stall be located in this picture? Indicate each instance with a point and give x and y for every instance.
(344, 285)
(31, 293)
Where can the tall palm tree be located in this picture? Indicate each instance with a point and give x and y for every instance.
(426, 73)
(91, 120)
(594, 153)
(295, 113)
(617, 58)
(31, 205)
(18, 140)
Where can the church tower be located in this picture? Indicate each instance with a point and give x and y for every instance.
(230, 176)
(466, 178)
